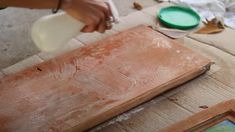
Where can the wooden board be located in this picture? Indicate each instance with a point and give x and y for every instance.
(205, 119)
(89, 85)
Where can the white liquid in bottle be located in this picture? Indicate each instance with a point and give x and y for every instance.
(54, 31)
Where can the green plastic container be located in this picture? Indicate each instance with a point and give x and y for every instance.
(179, 17)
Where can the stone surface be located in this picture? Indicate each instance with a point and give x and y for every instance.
(33, 60)
(15, 40)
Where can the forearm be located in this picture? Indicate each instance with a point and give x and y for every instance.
(40, 4)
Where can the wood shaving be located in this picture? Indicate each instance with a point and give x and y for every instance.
(211, 27)
(204, 107)
(137, 6)
(159, 1)
(173, 99)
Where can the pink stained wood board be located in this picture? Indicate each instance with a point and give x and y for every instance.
(89, 85)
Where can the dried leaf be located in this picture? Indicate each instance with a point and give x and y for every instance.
(137, 6)
(213, 26)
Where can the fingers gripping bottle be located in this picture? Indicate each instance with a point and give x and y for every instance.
(54, 31)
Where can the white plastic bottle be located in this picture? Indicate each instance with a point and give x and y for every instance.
(54, 31)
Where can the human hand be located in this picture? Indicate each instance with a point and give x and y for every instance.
(95, 14)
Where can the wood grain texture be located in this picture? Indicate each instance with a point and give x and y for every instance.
(117, 123)
(150, 116)
(224, 68)
(202, 91)
(223, 40)
(202, 118)
(91, 84)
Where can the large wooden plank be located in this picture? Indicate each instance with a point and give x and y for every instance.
(226, 76)
(89, 85)
(224, 68)
(118, 123)
(202, 91)
(223, 41)
(109, 128)
(150, 116)
(211, 88)
(155, 117)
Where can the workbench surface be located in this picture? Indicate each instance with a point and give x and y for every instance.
(215, 86)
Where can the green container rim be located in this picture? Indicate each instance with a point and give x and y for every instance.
(171, 25)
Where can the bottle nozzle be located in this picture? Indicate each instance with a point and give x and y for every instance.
(114, 11)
